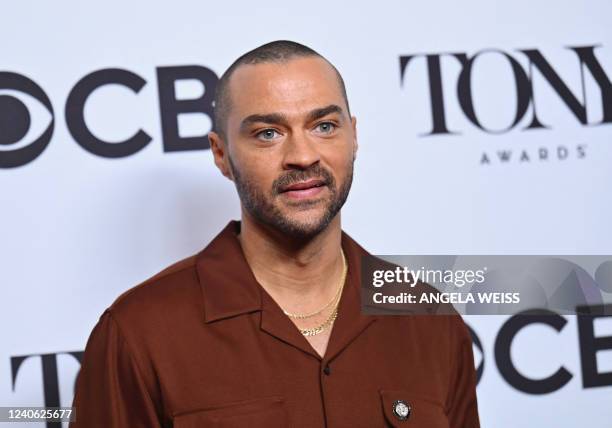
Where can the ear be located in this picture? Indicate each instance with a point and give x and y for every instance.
(355, 143)
(219, 149)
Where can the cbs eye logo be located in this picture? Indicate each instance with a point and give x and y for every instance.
(22, 140)
(16, 121)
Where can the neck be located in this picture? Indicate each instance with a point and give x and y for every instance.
(298, 274)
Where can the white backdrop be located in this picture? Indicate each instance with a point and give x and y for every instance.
(77, 229)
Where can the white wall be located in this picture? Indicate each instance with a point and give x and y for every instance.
(77, 229)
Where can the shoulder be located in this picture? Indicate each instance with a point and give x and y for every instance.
(159, 297)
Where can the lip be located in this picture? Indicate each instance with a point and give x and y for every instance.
(303, 185)
(304, 189)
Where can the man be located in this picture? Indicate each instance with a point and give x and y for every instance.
(263, 328)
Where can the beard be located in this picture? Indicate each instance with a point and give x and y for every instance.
(259, 204)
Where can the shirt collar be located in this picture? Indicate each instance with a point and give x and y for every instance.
(227, 281)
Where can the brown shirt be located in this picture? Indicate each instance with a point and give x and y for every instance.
(202, 344)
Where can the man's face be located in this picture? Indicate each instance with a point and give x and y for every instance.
(290, 144)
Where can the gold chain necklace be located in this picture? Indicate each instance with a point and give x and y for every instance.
(318, 329)
(336, 296)
(332, 317)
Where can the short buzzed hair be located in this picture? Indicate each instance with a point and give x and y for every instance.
(279, 51)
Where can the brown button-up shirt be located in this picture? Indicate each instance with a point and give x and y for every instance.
(202, 344)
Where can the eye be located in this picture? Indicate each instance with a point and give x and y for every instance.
(267, 134)
(26, 120)
(326, 127)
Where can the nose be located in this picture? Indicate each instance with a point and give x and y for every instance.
(300, 152)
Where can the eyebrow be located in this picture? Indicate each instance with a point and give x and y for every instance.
(281, 119)
(322, 112)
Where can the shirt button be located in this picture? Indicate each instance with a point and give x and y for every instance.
(327, 370)
(401, 410)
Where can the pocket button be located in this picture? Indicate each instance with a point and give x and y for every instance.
(401, 410)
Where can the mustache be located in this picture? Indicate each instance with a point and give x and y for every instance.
(296, 176)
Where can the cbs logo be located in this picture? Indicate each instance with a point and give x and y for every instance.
(21, 141)
(15, 120)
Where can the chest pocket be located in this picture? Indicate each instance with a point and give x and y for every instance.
(266, 412)
(407, 410)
